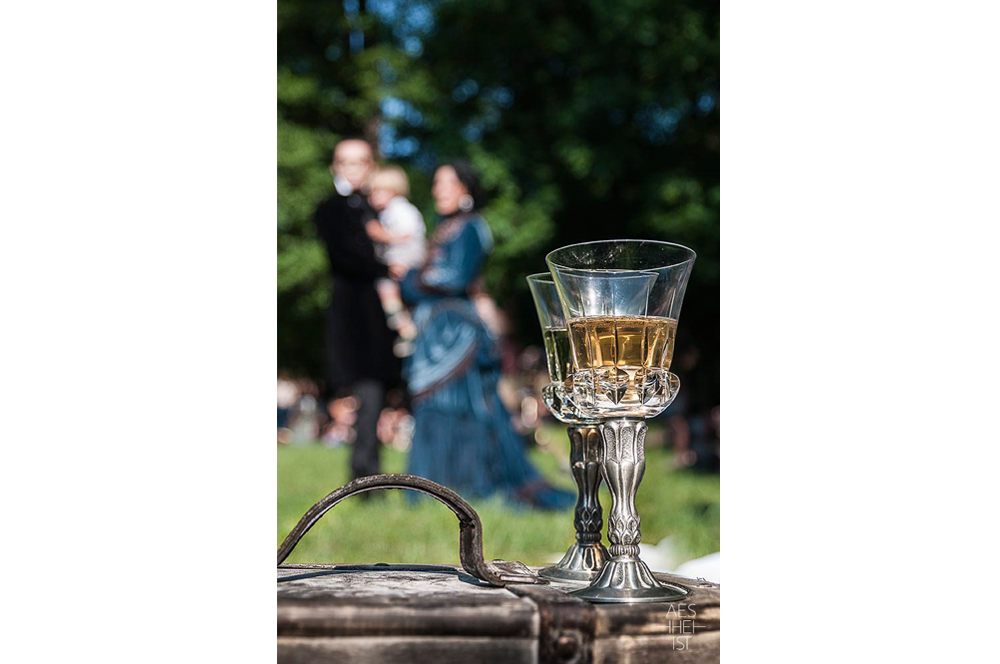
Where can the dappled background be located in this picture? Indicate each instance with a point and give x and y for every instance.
(588, 120)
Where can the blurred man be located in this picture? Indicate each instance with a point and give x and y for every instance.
(360, 361)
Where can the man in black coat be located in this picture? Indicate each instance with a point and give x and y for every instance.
(360, 360)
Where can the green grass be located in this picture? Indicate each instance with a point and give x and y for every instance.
(679, 503)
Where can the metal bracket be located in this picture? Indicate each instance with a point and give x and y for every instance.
(470, 539)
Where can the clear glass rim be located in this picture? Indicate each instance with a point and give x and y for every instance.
(691, 256)
(541, 276)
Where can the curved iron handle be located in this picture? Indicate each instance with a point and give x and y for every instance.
(470, 541)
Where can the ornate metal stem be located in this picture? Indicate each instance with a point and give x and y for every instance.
(625, 578)
(585, 558)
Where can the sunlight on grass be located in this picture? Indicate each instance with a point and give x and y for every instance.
(391, 529)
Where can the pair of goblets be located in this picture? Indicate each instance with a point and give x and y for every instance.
(608, 312)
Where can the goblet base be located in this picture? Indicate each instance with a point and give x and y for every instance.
(582, 562)
(627, 580)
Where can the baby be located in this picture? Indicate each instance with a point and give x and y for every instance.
(400, 237)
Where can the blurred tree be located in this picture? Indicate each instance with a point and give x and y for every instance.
(588, 120)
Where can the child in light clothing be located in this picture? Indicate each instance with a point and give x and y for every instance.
(401, 242)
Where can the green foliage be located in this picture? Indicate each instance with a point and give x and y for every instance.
(588, 120)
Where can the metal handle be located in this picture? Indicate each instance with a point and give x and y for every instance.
(470, 539)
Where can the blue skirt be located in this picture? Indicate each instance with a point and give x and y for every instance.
(464, 439)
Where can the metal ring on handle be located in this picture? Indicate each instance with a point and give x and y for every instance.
(470, 540)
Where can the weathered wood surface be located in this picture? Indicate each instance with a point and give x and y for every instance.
(439, 613)
(406, 650)
(397, 600)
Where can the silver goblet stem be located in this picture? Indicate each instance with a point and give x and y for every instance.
(625, 577)
(585, 558)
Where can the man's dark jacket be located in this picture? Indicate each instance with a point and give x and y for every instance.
(358, 341)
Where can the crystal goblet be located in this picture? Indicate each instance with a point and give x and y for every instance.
(621, 299)
(584, 559)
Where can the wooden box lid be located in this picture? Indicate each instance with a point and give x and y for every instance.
(440, 614)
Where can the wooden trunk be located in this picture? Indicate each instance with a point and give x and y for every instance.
(437, 613)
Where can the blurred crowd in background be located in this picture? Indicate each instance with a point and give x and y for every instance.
(304, 418)
(581, 122)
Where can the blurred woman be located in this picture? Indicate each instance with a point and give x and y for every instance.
(463, 436)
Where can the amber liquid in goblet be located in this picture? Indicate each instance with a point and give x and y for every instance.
(629, 342)
(621, 361)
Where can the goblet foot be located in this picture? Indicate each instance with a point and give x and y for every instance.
(627, 580)
(582, 562)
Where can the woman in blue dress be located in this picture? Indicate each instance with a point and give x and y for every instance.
(463, 436)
